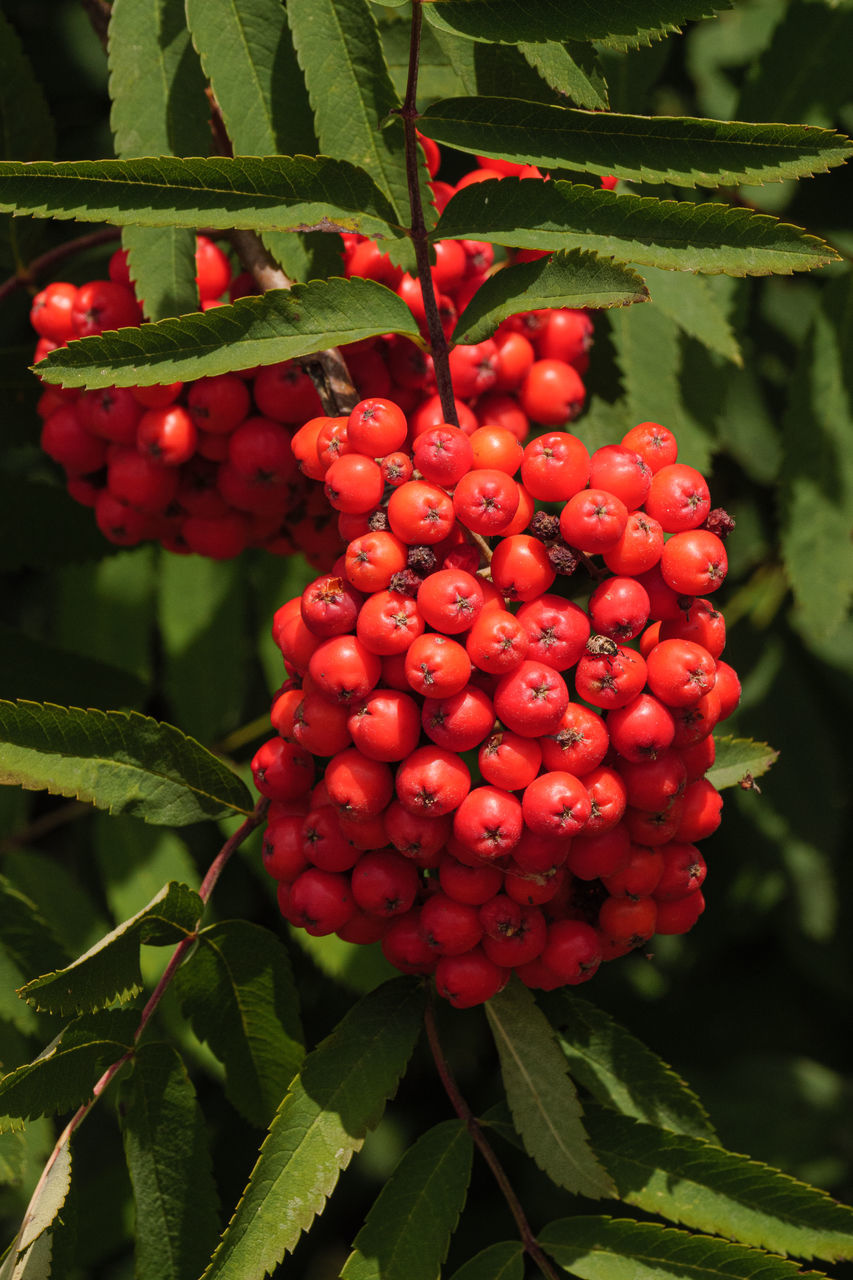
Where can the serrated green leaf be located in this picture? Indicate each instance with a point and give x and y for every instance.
(40, 672)
(27, 936)
(158, 109)
(602, 1248)
(284, 193)
(136, 860)
(62, 1077)
(59, 896)
(650, 358)
(571, 279)
(202, 611)
(165, 1143)
(620, 1071)
(816, 499)
(338, 46)
(738, 757)
(682, 151)
(509, 21)
(110, 969)
(572, 70)
(501, 1261)
(238, 992)
(437, 76)
(15, 1016)
(120, 761)
(689, 301)
(407, 1232)
(672, 234)
(107, 610)
(67, 531)
(542, 1098)
(30, 1254)
(12, 1155)
(282, 324)
(339, 1095)
(702, 1186)
(248, 56)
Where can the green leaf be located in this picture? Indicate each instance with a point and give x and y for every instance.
(60, 897)
(361, 968)
(620, 1071)
(248, 57)
(672, 234)
(692, 1182)
(283, 193)
(571, 279)
(238, 992)
(202, 612)
(30, 1254)
(689, 301)
(542, 1098)
(805, 66)
(340, 1094)
(407, 1232)
(511, 21)
(619, 1249)
(120, 761)
(501, 1261)
(110, 970)
(649, 354)
(683, 151)
(340, 52)
(135, 861)
(282, 324)
(165, 1143)
(816, 500)
(158, 109)
(62, 1077)
(107, 610)
(572, 70)
(738, 757)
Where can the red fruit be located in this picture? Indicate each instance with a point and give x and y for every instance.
(531, 699)
(51, 312)
(556, 804)
(521, 569)
(384, 884)
(678, 498)
(450, 600)
(694, 562)
(486, 500)
(555, 466)
(167, 435)
(376, 427)
(213, 270)
(680, 672)
(449, 927)
(572, 951)
(579, 743)
(320, 902)
(557, 630)
(468, 979)
(432, 781)
(282, 770)
(510, 761)
(103, 304)
(552, 393)
(655, 444)
(358, 787)
(593, 520)
(609, 680)
(386, 725)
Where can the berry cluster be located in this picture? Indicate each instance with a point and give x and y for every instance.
(207, 466)
(508, 684)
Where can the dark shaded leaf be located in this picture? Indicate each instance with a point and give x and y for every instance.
(511, 21)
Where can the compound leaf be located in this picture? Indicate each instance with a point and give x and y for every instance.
(600, 1248)
(739, 759)
(682, 151)
(572, 279)
(542, 1098)
(62, 1077)
(110, 970)
(702, 1186)
(339, 1095)
(29, 1256)
(284, 193)
(158, 109)
(620, 1071)
(689, 301)
(672, 234)
(511, 21)
(165, 1143)
(282, 324)
(119, 760)
(572, 70)
(238, 992)
(407, 1232)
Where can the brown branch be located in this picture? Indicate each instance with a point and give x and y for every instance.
(466, 1115)
(418, 231)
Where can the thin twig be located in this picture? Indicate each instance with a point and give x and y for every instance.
(46, 262)
(418, 231)
(466, 1115)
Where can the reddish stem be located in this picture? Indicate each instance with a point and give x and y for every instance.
(418, 231)
(466, 1115)
(47, 261)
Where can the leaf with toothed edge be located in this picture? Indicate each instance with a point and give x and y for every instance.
(676, 235)
(739, 758)
(340, 1093)
(681, 150)
(571, 279)
(120, 761)
(110, 970)
(511, 21)
(282, 324)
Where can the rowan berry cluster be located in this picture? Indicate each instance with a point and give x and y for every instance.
(491, 748)
(207, 467)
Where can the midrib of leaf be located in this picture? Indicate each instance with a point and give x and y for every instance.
(160, 1193)
(235, 9)
(256, 1079)
(534, 1094)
